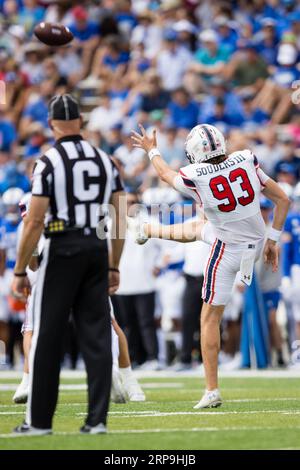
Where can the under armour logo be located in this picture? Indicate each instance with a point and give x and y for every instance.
(247, 277)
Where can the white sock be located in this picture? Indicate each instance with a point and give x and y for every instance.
(25, 379)
(214, 390)
(125, 372)
(115, 347)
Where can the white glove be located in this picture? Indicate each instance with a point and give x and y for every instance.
(136, 228)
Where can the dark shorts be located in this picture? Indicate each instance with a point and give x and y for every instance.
(271, 300)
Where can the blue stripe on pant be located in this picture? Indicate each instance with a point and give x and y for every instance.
(213, 261)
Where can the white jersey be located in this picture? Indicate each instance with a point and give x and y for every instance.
(230, 195)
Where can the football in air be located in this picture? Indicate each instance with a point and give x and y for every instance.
(53, 34)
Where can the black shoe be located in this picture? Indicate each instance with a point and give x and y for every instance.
(22, 428)
(27, 430)
(99, 429)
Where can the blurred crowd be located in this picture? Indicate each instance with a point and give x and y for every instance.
(170, 64)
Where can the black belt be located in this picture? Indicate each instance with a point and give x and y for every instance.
(58, 228)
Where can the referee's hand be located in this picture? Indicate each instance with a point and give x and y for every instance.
(20, 287)
(113, 281)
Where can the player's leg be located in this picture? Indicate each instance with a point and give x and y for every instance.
(220, 274)
(211, 317)
(117, 393)
(131, 386)
(185, 233)
(21, 394)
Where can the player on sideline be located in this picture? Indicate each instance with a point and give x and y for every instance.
(228, 188)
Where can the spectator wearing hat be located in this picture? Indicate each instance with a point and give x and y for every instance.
(210, 58)
(187, 34)
(86, 36)
(267, 40)
(227, 34)
(173, 61)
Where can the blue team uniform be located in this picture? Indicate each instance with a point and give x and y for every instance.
(291, 249)
(8, 241)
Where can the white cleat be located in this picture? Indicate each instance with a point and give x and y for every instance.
(210, 399)
(117, 393)
(133, 390)
(21, 394)
(135, 226)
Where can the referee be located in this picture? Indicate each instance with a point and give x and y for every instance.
(71, 184)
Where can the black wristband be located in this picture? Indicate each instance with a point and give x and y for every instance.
(115, 270)
(24, 274)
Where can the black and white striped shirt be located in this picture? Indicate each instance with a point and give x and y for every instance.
(78, 179)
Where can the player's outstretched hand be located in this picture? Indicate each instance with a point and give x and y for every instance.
(271, 254)
(144, 141)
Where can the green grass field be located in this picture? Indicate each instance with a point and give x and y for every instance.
(258, 413)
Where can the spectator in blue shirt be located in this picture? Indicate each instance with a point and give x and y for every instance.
(219, 89)
(82, 28)
(226, 34)
(8, 137)
(183, 111)
(37, 111)
(30, 15)
(87, 36)
(251, 116)
(266, 41)
(11, 176)
(125, 18)
(114, 60)
(220, 118)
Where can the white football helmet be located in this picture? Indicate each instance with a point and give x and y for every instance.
(204, 142)
(10, 200)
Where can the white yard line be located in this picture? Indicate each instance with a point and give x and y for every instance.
(165, 430)
(168, 374)
(155, 414)
(177, 402)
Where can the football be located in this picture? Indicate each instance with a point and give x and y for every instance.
(53, 34)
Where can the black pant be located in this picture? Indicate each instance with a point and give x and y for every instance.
(73, 277)
(192, 305)
(137, 315)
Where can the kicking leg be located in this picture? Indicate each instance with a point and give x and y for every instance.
(131, 386)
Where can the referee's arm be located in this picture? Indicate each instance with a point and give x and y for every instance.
(119, 227)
